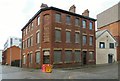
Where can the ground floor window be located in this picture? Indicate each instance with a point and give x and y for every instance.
(24, 59)
(31, 58)
(68, 56)
(91, 55)
(57, 56)
(37, 59)
(77, 55)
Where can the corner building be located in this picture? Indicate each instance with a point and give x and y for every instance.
(58, 37)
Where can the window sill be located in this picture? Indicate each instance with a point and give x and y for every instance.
(77, 25)
(67, 62)
(58, 63)
(91, 29)
(77, 43)
(37, 63)
(77, 62)
(102, 48)
(90, 45)
(91, 60)
(68, 24)
(68, 42)
(58, 22)
(57, 41)
(46, 41)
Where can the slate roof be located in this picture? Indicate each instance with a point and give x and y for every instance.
(56, 9)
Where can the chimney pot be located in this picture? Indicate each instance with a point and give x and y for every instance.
(86, 13)
(72, 9)
(43, 6)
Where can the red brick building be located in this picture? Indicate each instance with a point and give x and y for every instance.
(12, 53)
(58, 37)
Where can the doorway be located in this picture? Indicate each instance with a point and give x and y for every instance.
(84, 57)
(46, 57)
(28, 60)
(110, 58)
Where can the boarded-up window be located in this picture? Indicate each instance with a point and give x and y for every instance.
(68, 38)
(84, 24)
(57, 56)
(57, 35)
(37, 57)
(77, 55)
(68, 56)
(91, 55)
(68, 19)
(77, 38)
(24, 59)
(58, 17)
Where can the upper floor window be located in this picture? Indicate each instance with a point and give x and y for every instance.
(111, 45)
(38, 37)
(28, 42)
(68, 38)
(90, 25)
(101, 45)
(38, 20)
(68, 19)
(26, 30)
(84, 24)
(32, 26)
(23, 45)
(77, 22)
(57, 35)
(84, 40)
(58, 17)
(31, 41)
(77, 37)
(91, 40)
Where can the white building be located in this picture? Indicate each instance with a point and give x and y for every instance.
(0, 56)
(105, 47)
(12, 41)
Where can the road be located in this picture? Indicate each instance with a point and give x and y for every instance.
(108, 71)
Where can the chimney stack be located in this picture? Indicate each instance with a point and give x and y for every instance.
(43, 6)
(86, 13)
(72, 9)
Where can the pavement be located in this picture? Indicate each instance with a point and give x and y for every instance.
(106, 71)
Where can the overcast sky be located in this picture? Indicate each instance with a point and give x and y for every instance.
(14, 14)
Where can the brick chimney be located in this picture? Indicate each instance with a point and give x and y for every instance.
(72, 9)
(86, 13)
(43, 6)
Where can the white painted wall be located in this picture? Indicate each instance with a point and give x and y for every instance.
(102, 53)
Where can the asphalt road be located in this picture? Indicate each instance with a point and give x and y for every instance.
(108, 71)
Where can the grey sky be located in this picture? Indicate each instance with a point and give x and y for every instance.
(16, 13)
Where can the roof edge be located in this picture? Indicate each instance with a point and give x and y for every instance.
(57, 9)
